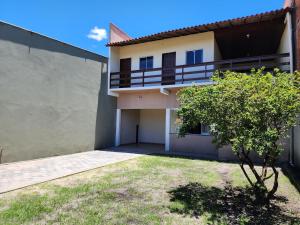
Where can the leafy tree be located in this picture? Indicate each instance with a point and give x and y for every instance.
(251, 112)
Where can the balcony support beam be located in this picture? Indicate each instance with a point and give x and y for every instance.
(164, 91)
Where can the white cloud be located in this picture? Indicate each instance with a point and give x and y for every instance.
(97, 34)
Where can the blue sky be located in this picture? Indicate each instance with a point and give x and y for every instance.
(72, 20)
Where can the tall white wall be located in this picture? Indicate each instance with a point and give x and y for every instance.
(284, 47)
(179, 45)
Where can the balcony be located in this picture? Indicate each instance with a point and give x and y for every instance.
(197, 73)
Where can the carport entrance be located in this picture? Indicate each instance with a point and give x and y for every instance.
(142, 126)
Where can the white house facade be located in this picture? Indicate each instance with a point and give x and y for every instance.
(146, 73)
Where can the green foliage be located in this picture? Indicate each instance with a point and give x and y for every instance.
(254, 111)
(251, 112)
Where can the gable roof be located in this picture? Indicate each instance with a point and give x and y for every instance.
(266, 16)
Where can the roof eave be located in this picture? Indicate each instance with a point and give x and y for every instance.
(198, 29)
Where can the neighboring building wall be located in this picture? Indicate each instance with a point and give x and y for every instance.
(106, 114)
(50, 97)
(152, 126)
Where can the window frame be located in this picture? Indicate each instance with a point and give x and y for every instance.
(146, 57)
(202, 133)
(194, 54)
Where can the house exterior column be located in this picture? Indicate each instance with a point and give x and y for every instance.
(118, 128)
(167, 130)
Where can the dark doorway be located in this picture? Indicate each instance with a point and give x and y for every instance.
(168, 68)
(125, 72)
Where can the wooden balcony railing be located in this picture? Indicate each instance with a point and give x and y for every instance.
(196, 73)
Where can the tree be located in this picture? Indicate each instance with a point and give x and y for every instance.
(251, 112)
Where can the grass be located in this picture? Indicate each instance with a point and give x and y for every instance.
(150, 190)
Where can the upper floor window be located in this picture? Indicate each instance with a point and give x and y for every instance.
(146, 63)
(194, 57)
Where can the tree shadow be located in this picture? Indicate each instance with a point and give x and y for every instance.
(232, 205)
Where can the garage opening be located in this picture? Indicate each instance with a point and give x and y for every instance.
(143, 126)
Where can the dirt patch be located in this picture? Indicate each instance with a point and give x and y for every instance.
(126, 194)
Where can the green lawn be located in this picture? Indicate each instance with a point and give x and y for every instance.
(150, 190)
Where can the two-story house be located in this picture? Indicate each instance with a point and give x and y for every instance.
(145, 73)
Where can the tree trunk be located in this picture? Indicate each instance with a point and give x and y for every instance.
(275, 183)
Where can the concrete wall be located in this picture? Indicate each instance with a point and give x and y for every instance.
(50, 97)
(193, 143)
(106, 114)
(152, 126)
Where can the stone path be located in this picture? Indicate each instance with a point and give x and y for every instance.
(21, 174)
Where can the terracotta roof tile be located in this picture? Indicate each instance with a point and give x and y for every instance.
(205, 27)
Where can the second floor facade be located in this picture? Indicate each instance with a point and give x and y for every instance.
(179, 58)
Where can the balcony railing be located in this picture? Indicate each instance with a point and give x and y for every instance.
(197, 72)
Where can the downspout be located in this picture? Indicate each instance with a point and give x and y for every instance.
(291, 48)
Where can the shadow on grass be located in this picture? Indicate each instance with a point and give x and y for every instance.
(229, 205)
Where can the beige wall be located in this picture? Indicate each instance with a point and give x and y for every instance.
(152, 126)
(129, 120)
(179, 45)
(147, 100)
(193, 143)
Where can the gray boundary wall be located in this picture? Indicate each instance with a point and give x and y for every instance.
(53, 97)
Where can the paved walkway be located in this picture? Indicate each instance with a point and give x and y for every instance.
(21, 174)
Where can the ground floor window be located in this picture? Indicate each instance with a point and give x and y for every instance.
(204, 129)
(200, 129)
